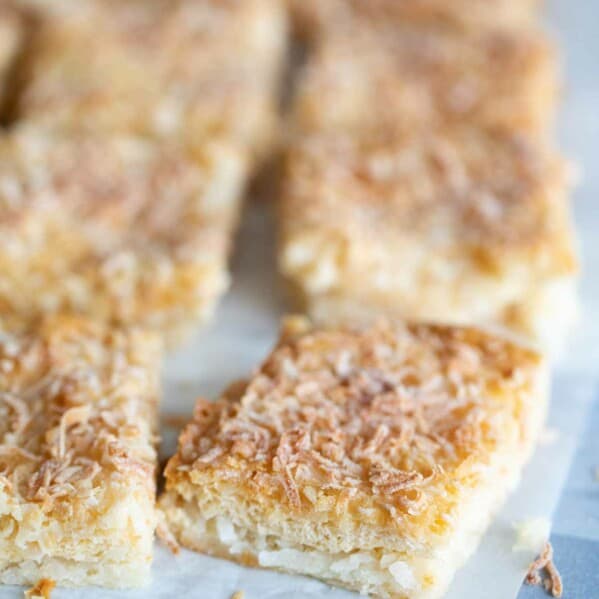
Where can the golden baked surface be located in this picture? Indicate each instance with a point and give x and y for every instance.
(78, 406)
(315, 16)
(405, 76)
(460, 190)
(156, 67)
(393, 417)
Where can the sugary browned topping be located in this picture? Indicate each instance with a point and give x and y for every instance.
(406, 76)
(150, 66)
(317, 15)
(553, 584)
(41, 590)
(77, 411)
(457, 189)
(389, 413)
(116, 194)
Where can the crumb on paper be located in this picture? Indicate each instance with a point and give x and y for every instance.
(238, 595)
(597, 473)
(41, 590)
(174, 420)
(531, 534)
(552, 583)
(166, 537)
(549, 436)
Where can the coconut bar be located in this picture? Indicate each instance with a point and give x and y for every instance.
(78, 409)
(461, 225)
(122, 229)
(371, 458)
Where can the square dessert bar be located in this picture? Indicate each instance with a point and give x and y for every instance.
(314, 17)
(201, 69)
(427, 76)
(461, 225)
(122, 229)
(370, 458)
(78, 409)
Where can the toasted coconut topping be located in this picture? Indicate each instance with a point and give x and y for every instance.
(42, 589)
(553, 584)
(125, 195)
(173, 66)
(440, 186)
(127, 230)
(426, 77)
(385, 412)
(76, 411)
(330, 15)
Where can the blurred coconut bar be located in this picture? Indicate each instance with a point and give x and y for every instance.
(463, 225)
(201, 69)
(408, 76)
(120, 228)
(136, 129)
(313, 17)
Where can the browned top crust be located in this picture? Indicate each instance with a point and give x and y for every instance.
(314, 16)
(395, 416)
(120, 227)
(77, 414)
(150, 66)
(428, 76)
(463, 190)
(117, 191)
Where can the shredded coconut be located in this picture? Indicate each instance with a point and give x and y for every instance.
(553, 583)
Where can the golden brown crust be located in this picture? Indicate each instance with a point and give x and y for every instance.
(441, 189)
(406, 76)
(163, 67)
(383, 417)
(78, 406)
(314, 16)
